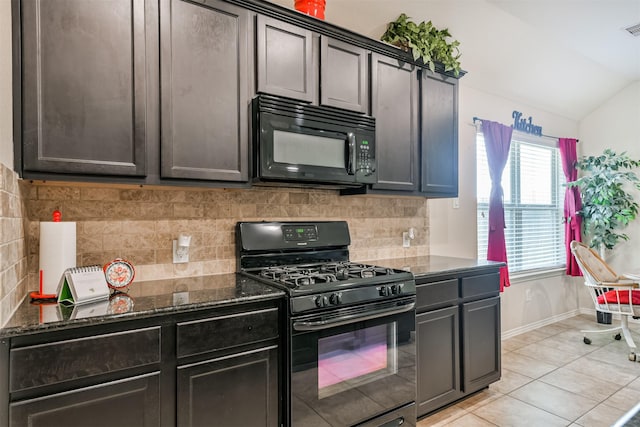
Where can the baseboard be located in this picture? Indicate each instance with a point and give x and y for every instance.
(592, 312)
(531, 326)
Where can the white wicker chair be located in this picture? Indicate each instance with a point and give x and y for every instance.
(610, 292)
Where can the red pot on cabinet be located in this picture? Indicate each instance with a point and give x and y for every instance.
(311, 7)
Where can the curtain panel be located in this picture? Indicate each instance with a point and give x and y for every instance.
(572, 202)
(497, 139)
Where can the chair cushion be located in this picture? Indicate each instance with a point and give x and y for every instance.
(611, 297)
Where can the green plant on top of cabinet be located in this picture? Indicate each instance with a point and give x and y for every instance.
(205, 90)
(85, 86)
(297, 63)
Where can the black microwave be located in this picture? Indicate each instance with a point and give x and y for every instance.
(298, 143)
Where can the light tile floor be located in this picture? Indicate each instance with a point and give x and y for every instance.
(551, 378)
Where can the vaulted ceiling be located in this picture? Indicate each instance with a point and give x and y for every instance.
(563, 56)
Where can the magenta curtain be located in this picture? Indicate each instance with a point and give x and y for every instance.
(572, 202)
(497, 140)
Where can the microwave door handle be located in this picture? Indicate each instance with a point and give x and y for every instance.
(351, 138)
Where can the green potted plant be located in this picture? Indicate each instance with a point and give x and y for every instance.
(607, 206)
(424, 41)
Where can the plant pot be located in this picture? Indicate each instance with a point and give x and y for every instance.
(603, 318)
(313, 8)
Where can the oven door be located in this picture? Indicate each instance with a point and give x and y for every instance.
(351, 365)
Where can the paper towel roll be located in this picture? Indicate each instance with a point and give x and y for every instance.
(57, 252)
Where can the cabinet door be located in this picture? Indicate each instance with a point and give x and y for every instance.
(344, 75)
(239, 390)
(286, 62)
(439, 135)
(130, 402)
(85, 84)
(481, 343)
(395, 107)
(205, 96)
(438, 359)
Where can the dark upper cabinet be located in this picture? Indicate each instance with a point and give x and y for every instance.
(395, 106)
(297, 63)
(205, 93)
(85, 85)
(439, 142)
(286, 62)
(344, 75)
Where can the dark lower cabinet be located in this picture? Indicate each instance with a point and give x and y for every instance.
(240, 390)
(129, 402)
(438, 340)
(209, 367)
(458, 336)
(481, 343)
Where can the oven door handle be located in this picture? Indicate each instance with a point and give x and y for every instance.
(345, 320)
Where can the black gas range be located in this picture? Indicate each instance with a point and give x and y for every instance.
(350, 356)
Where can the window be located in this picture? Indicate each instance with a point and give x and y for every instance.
(533, 184)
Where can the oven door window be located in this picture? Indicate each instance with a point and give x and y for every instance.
(346, 374)
(355, 358)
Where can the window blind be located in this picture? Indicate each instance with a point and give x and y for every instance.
(533, 185)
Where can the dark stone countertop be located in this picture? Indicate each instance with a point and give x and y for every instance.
(150, 298)
(144, 299)
(435, 265)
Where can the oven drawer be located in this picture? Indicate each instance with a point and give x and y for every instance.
(484, 285)
(436, 294)
(217, 333)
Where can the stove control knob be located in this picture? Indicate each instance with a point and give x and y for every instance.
(336, 299)
(321, 301)
(396, 289)
(384, 291)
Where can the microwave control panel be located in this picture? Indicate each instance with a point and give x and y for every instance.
(365, 162)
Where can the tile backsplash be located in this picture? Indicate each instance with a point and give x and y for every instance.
(139, 224)
(13, 248)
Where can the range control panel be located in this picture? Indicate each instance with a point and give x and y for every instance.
(300, 233)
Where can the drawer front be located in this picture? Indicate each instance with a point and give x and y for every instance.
(436, 294)
(56, 362)
(217, 333)
(480, 286)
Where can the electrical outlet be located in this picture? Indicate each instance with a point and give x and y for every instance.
(527, 295)
(180, 255)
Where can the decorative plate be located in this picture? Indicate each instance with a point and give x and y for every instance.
(119, 273)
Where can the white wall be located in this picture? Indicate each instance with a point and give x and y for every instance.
(6, 109)
(616, 125)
